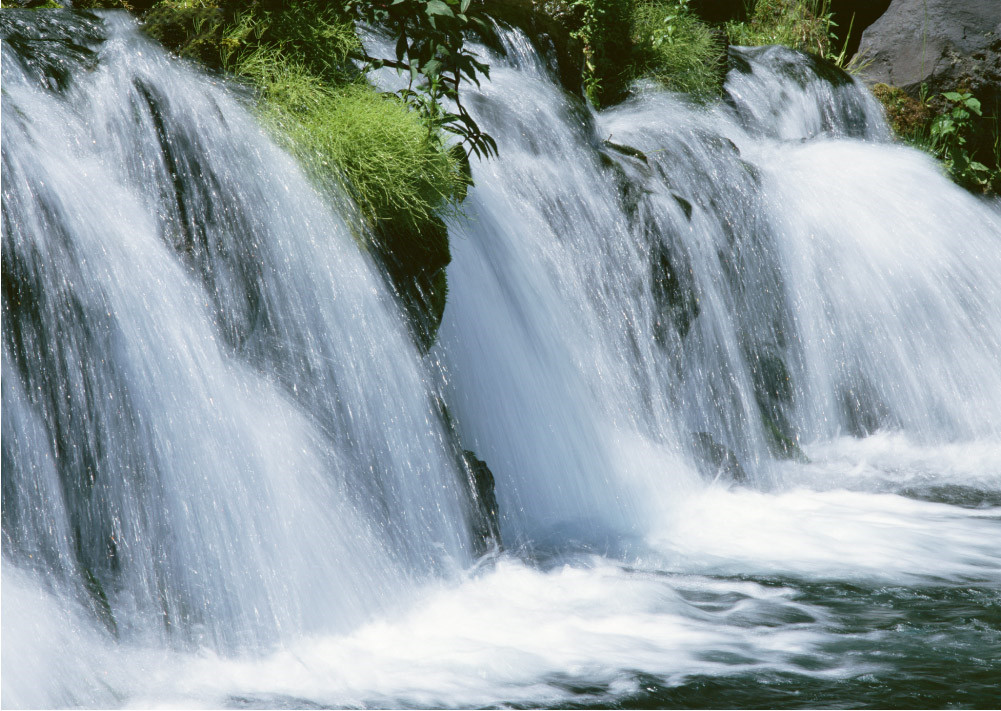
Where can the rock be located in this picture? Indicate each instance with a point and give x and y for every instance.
(485, 523)
(53, 45)
(673, 288)
(715, 460)
(943, 44)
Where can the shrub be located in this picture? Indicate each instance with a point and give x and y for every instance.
(395, 169)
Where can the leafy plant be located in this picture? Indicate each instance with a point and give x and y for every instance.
(604, 29)
(950, 134)
(431, 51)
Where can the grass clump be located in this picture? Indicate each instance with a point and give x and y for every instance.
(392, 165)
(805, 25)
(675, 48)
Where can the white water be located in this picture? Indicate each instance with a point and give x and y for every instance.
(854, 261)
(234, 479)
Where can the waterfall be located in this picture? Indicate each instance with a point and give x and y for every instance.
(216, 428)
(735, 368)
(661, 284)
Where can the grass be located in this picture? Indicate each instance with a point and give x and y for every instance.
(805, 25)
(393, 167)
(675, 48)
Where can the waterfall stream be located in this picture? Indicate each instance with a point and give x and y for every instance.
(736, 369)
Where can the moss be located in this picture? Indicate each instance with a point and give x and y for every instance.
(675, 48)
(909, 117)
(801, 24)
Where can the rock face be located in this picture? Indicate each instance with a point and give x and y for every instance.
(944, 44)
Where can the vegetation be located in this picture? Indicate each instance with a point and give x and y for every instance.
(605, 35)
(623, 40)
(674, 47)
(390, 151)
(431, 51)
(908, 117)
(952, 135)
(952, 127)
(806, 25)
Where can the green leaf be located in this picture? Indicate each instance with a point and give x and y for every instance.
(464, 6)
(431, 68)
(953, 96)
(437, 7)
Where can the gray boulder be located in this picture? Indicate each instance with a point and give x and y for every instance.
(943, 44)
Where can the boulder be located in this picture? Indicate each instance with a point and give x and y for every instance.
(940, 44)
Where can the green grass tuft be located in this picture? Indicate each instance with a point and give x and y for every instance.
(675, 48)
(394, 168)
(800, 24)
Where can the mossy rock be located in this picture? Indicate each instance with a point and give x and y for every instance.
(906, 115)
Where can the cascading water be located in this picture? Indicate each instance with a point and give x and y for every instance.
(216, 429)
(735, 369)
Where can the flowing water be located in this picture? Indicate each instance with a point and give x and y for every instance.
(736, 370)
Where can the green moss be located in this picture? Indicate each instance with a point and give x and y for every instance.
(910, 118)
(801, 24)
(674, 47)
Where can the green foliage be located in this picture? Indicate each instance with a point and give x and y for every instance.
(672, 46)
(806, 25)
(431, 51)
(951, 133)
(396, 171)
(953, 128)
(605, 33)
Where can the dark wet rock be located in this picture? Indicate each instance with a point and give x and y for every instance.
(482, 511)
(773, 391)
(737, 62)
(627, 151)
(485, 522)
(715, 460)
(53, 45)
(673, 290)
(415, 257)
